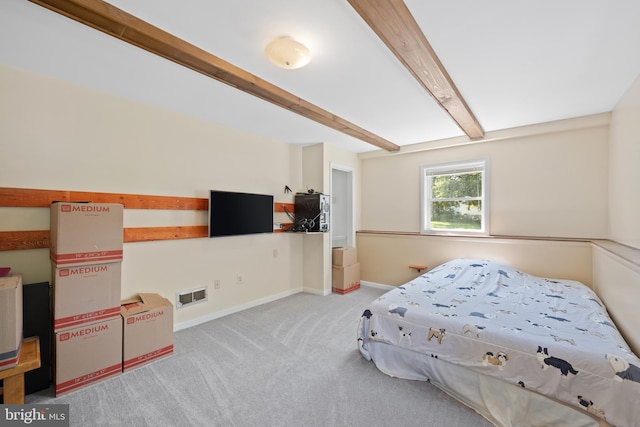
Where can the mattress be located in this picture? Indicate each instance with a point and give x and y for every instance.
(549, 337)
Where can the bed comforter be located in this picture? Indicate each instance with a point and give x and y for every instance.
(553, 337)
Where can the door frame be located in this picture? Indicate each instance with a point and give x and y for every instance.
(351, 194)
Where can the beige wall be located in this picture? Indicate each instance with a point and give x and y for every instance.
(617, 283)
(577, 178)
(616, 277)
(316, 280)
(624, 178)
(317, 161)
(63, 136)
(57, 135)
(385, 259)
(548, 181)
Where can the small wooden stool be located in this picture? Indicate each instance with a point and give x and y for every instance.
(13, 378)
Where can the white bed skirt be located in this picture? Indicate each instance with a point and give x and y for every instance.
(503, 404)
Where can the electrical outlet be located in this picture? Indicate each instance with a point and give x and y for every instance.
(275, 253)
(239, 280)
(216, 284)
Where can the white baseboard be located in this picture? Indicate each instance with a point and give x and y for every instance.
(376, 285)
(316, 292)
(237, 308)
(251, 304)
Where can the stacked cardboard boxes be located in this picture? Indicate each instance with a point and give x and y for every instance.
(345, 270)
(10, 320)
(86, 254)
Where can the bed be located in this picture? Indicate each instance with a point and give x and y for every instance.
(519, 349)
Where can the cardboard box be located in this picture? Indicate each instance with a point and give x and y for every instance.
(344, 256)
(86, 233)
(345, 279)
(10, 320)
(85, 294)
(87, 354)
(148, 329)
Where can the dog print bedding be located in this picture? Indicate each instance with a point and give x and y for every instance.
(553, 337)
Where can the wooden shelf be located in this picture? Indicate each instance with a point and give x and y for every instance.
(32, 198)
(13, 378)
(40, 198)
(418, 267)
(284, 207)
(285, 227)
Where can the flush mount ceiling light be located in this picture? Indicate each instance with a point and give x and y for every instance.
(285, 52)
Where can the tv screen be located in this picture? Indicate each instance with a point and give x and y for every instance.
(232, 214)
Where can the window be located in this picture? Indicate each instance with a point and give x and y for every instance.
(454, 198)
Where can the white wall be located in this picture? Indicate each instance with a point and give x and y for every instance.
(58, 135)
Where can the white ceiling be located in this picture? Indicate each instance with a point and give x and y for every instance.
(515, 62)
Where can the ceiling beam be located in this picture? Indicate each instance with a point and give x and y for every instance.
(392, 21)
(126, 27)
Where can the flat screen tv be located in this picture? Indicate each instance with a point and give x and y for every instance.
(233, 214)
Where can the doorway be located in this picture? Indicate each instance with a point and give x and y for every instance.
(342, 210)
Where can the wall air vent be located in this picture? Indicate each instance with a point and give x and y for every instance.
(191, 297)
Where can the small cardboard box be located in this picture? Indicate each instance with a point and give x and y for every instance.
(86, 233)
(85, 294)
(148, 329)
(10, 320)
(345, 279)
(87, 354)
(344, 256)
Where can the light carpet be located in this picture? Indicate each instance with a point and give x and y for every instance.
(292, 362)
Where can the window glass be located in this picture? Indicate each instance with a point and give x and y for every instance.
(454, 197)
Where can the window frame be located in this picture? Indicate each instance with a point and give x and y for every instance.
(430, 170)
